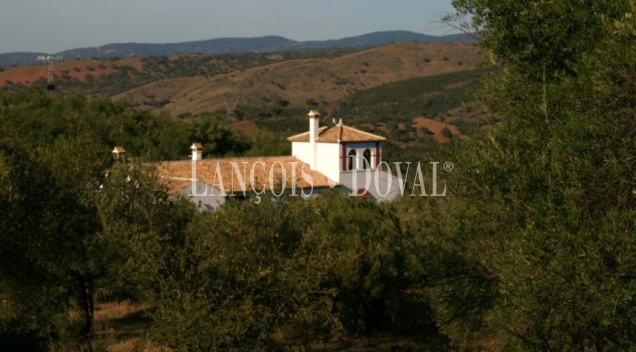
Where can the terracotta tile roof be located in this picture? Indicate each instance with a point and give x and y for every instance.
(175, 185)
(196, 146)
(337, 134)
(177, 175)
(119, 150)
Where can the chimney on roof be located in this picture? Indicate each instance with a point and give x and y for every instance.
(314, 118)
(197, 151)
(119, 152)
(314, 122)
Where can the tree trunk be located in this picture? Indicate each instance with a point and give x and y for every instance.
(88, 307)
(85, 299)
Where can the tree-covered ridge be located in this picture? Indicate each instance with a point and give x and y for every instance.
(38, 119)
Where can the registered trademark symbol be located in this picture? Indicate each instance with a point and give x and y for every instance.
(448, 166)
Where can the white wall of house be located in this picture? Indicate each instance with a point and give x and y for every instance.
(329, 156)
(380, 184)
(303, 152)
(205, 197)
(328, 160)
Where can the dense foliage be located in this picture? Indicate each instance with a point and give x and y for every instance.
(37, 118)
(77, 222)
(546, 210)
(532, 249)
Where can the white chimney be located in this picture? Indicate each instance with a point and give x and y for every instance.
(314, 119)
(197, 151)
(118, 152)
(313, 125)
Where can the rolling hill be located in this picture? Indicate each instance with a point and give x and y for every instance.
(230, 45)
(318, 83)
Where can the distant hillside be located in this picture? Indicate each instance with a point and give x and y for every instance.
(409, 92)
(383, 38)
(437, 97)
(230, 45)
(323, 83)
(199, 84)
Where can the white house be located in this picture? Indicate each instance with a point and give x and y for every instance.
(328, 157)
(346, 156)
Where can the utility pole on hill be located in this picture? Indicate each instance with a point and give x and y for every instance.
(48, 60)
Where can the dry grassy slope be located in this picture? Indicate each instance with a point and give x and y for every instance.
(77, 69)
(325, 80)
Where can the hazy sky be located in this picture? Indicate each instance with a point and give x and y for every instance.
(53, 26)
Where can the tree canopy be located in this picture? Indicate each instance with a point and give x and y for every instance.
(547, 218)
(532, 249)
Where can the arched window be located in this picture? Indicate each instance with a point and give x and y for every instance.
(366, 159)
(352, 159)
